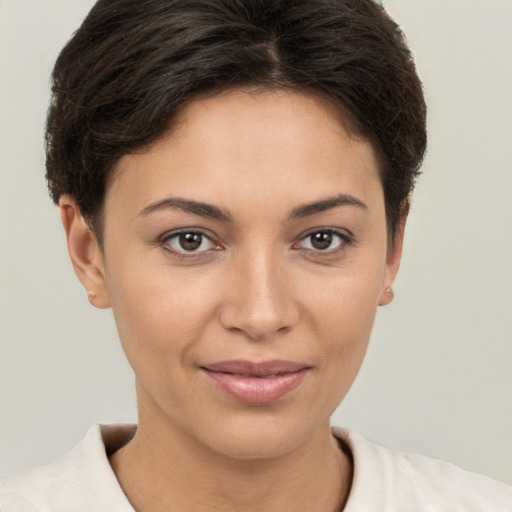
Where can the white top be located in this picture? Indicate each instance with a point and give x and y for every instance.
(384, 481)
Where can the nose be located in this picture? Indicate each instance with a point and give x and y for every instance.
(259, 300)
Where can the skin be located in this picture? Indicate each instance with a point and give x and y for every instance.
(257, 289)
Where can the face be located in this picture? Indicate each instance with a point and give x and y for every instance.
(245, 254)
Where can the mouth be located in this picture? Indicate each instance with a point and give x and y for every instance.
(256, 383)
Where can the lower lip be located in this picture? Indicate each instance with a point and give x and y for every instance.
(256, 390)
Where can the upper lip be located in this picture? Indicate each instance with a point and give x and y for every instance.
(261, 369)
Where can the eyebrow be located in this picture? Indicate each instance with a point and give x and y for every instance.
(213, 212)
(189, 206)
(326, 204)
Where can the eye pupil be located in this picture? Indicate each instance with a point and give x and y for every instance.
(190, 241)
(321, 240)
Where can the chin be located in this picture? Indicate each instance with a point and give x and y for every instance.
(258, 436)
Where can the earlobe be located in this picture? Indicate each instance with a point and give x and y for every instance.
(387, 296)
(393, 264)
(85, 253)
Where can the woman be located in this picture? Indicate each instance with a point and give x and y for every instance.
(234, 180)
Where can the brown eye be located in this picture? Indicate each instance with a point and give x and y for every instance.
(321, 240)
(192, 242)
(325, 240)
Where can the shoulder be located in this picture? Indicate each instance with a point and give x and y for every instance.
(385, 479)
(80, 481)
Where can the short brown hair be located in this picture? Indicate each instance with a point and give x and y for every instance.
(133, 64)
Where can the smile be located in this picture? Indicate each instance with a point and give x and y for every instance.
(256, 383)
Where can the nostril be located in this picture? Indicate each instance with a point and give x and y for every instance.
(257, 305)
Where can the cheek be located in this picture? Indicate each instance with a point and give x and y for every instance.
(347, 329)
(159, 312)
(342, 303)
(341, 314)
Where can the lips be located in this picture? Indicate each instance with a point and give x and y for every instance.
(256, 383)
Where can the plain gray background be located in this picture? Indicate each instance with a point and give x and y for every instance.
(437, 378)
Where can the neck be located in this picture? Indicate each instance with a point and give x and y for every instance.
(164, 468)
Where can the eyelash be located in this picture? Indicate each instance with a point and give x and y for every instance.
(345, 240)
(165, 242)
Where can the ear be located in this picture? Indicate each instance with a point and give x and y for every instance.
(85, 253)
(393, 259)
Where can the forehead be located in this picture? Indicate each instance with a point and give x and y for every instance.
(246, 143)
